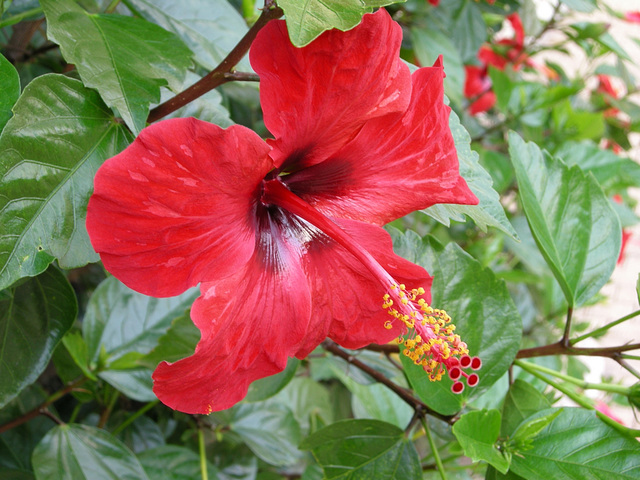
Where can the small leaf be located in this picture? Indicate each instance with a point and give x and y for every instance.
(481, 308)
(307, 19)
(571, 219)
(522, 401)
(210, 28)
(529, 429)
(50, 150)
(77, 348)
(575, 446)
(179, 342)
(306, 398)
(489, 211)
(171, 462)
(477, 433)
(34, 316)
(80, 452)
(9, 90)
(126, 59)
(353, 449)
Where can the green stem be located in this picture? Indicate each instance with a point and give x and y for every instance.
(567, 328)
(604, 387)
(112, 6)
(21, 16)
(434, 449)
(107, 412)
(203, 456)
(133, 417)
(601, 330)
(579, 399)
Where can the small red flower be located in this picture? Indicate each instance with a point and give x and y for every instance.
(477, 88)
(633, 17)
(284, 236)
(605, 87)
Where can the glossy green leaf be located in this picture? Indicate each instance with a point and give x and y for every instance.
(50, 150)
(122, 322)
(143, 434)
(171, 462)
(210, 28)
(577, 445)
(126, 59)
(522, 401)
(489, 212)
(307, 19)
(428, 45)
(34, 316)
(269, 429)
(477, 433)
(77, 348)
(17, 444)
(571, 219)
(308, 400)
(80, 452)
(358, 449)
(462, 21)
(9, 90)
(481, 308)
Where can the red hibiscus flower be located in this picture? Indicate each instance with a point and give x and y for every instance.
(284, 236)
(606, 88)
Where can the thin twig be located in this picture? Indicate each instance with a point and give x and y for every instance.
(560, 349)
(403, 393)
(567, 328)
(31, 414)
(218, 75)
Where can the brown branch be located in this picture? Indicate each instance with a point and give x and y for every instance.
(403, 393)
(560, 349)
(220, 74)
(42, 408)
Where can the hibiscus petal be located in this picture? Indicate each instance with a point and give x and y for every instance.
(315, 98)
(250, 322)
(348, 293)
(395, 165)
(174, 208)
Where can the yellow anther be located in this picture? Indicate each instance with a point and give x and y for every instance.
(388, 325)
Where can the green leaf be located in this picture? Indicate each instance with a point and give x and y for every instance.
(210, 28)
(355, 449)
(577, 445)
(34, 316)
(9, 90)
(522, 401)
(571, 219)
(307, 19)
(477, 433)
(489, 211)
(269, 429)
(468, 29)
(50, 150)
(126, 59)
(77, 348)
(78, 452)
(428, 44)
(120, 321)
(171, 462)
(267, 387)
(481, 308)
